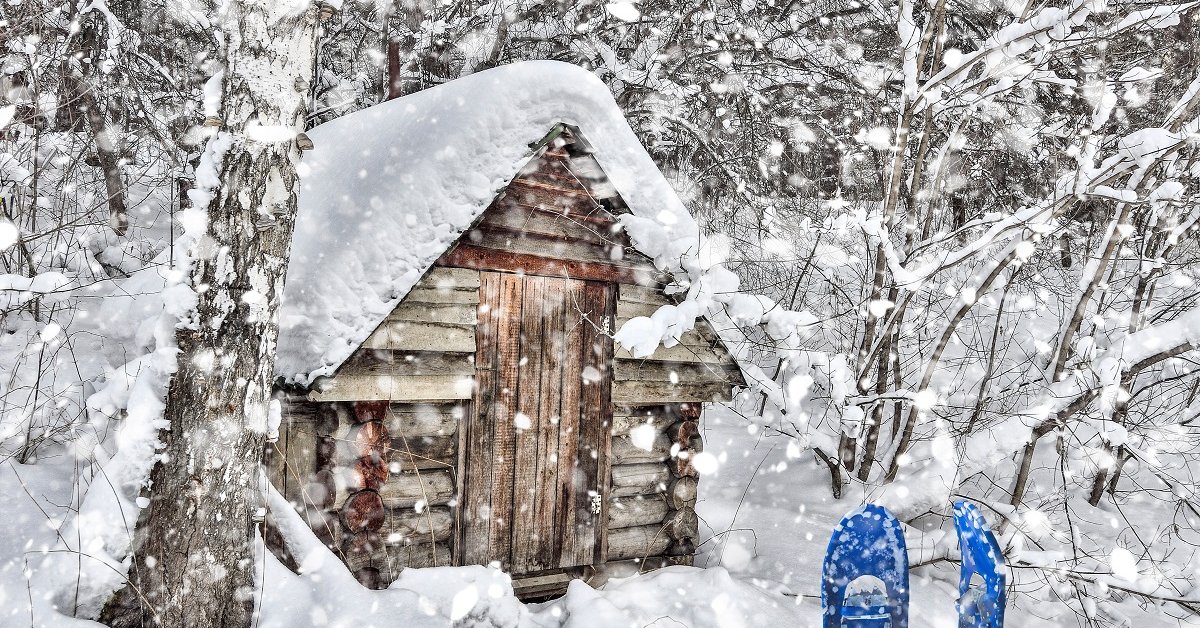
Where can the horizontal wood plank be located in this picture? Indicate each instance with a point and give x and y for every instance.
(510, 218)
(702, 353)
(683, 372)
(444, 285)
(396, 452)
(391, 559)
(411, 420)
(637, 542)
(395, 388)
(391, 362)
(648, 294)
(298, 409)
(549, 193)
(639, 479)
(426, 452)
(624, 451)
(405, 490)
(418, 556)
(535, 244)
(446, 313)
(405, 336)
(572, 211)
(641, 510)
(409, 527)
(443, 278)
(589, 171)
(472, 256)
(633, 392)
(414, 420)
(435, 295)
(625, 419)
(541, 584)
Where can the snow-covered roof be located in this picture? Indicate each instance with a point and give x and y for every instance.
(388, 189)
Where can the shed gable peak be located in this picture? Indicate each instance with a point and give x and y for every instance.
(557, 217)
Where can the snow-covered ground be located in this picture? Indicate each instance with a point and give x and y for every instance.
(767, 514)
(36, 581)
(766, 511)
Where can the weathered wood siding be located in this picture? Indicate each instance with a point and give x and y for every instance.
(423, 351)
(295, 462)
(554, 220)
(697, 369)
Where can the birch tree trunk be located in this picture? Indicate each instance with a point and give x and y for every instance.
(193, 557)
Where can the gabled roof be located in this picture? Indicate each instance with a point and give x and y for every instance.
(388, 189)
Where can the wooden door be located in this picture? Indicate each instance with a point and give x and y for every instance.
(539, 432)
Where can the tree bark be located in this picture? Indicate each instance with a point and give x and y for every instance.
(882, 381)
(193, 555)
(108, 158)
(84, 95)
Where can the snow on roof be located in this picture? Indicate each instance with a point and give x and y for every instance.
(388, 189)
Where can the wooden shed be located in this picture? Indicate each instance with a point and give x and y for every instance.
(491, 418)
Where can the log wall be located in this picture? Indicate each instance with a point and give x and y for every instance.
(651, 513)
(392, 478)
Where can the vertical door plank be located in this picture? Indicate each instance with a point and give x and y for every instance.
(569, 476)
(477, 481)
(527, 537)
(593, 378)
(508, 349)
(549, 417)
(601, 433)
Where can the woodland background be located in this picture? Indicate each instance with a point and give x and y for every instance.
(982, 213)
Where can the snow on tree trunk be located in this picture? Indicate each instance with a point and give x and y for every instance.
(193, 562)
